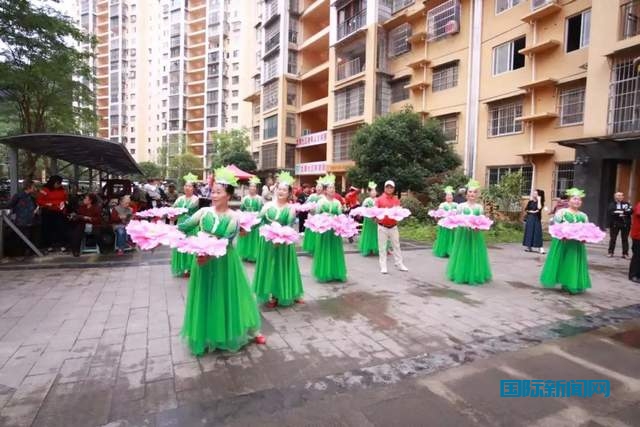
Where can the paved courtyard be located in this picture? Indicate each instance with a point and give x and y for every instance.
(94, 342)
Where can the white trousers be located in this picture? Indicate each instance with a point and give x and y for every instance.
(384, 235)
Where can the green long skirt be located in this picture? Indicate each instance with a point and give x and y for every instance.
(249, 244)
(309, 241)
(277, 274)
(221, 312)
(328, 261)
(368, 243)
(180, 262)
(469, 260)
(444, 242)
(566, 265)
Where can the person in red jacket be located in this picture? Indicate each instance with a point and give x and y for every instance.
(388, 229)
(86, 221)
(52, 201)
(634, 266)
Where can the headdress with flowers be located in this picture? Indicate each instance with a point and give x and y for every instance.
(448, 190)
(285, 178)
(225, 176)
(575, 192)
(372, 185)
(189, 178)
(254, 180)
(473, 185)
(329, 179)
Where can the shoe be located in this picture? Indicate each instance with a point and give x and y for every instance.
(186, 274)
(384, 270)
(49, 250)
(76, 254)
(542, 252)
(610, 255)
(272, 304)
(625, 256)
(528, 250)
(260, 339)
(635, 280)
(402, 267)
(299, 301)
(63, 249)
(119, 252)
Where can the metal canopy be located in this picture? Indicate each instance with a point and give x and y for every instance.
(94, 153)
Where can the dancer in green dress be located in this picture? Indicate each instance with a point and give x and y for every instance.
(310, 238)
(221, 311)
(328, 261)
(469, 259)
(181, 263)
(248, 243)
(368, 243)
(444, 239)
(277, 277)
(567, 262)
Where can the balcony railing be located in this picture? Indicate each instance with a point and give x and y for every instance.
(311, 168)
(272, 43)
(272, 10)
(352, 24)
(350, 68)
(310, 139)
(293, 36)
(630, 19)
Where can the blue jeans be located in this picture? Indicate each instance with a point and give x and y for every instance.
(121, 238)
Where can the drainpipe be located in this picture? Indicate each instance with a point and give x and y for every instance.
(473, 94)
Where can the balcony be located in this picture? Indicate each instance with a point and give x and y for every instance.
(271, 11)
(352, 24)
(312, 139)
(443, 20)
(311, 168)
(541, 47)
(272, 44)
(541, 9)
(630, 19)
(350, 68)
(538, 84)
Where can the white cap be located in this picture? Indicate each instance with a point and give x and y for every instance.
(391, 183)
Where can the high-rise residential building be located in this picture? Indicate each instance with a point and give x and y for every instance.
(167, 73)
(516, 85)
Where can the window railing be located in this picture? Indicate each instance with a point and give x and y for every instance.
(630, 19)
(443, 20)
(293, 36)
(624, 102)
(272, 10)
(349, 68)
(272, 43)
(352, 24)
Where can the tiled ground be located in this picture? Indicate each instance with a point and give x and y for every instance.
(89, 346)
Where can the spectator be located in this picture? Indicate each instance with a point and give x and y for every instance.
(154, 196)
(120, 217)
(171, 194)
(85, 221)
(23, 208)
(619, 213)
(352, 200)
(268, 190)
(634, 266)
(561, 203)
(533, 222)
(302, 199)
(52, 200)
(461, 196)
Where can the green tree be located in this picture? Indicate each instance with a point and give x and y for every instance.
(399, 146)
(505, 196)
(183, 164)
(46, 80)
(435, 186)
(150, 170)
(232, 148)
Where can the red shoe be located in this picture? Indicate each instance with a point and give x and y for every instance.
(186, 274)
(272, 304)
(299, 301)
(260, 339)
(119, 252)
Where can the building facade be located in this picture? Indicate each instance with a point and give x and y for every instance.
(167, 73)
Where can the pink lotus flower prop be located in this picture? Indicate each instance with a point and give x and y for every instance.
(478, 222)
(440, 213)
(148, 235)
(170, 212)
(174, 212)
(396, 213)
(582, 232)
(319, 223)
(203, 244)
(304, 207)
(344, 226)
(279, 234)
(453, 221)
(247, 220)
(475, 222)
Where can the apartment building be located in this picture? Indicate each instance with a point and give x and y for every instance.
(167, 73)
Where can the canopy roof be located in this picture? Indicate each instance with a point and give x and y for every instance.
(88, 151)
(239, 173)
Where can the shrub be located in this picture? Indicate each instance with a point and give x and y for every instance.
(418, 210)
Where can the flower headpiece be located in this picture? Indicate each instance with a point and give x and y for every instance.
(372, 185)
(285, 178)
(225, 176)
(448, 190)
(473, 184)
(575, 192)
(189, 177)
(329, 179)
(254, 180)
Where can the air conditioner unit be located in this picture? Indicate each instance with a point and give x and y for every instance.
(536, 4)
(306, 132)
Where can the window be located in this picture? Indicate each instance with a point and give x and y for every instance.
(235, 66)
(270, 127)
(578, 27)
(506, 56)
(495, 175)
(292, 62)
(235, 80)
(623, 98)
(234, 93)
(289, 156)
(269, 156)
(350, 102)
(342, 145)
(502, 118)
(397, 5)
(256, 133)
(449, 126)
(398, 90)
(443, 20)
(291, 125)
(571, 105)
(234, 106)
(234, 119)
(270, 96)
(270, 68)
(132, 150)
(502, 5)
(292, 93)
(563, 178)
(399, 40)
(445, 76)
(630, 15)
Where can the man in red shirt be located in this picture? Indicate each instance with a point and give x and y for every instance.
(388, 229)
(634, 266)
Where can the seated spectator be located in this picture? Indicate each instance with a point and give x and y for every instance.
(171, 194)
(120, 217)
(23, 209)
(85, 221)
